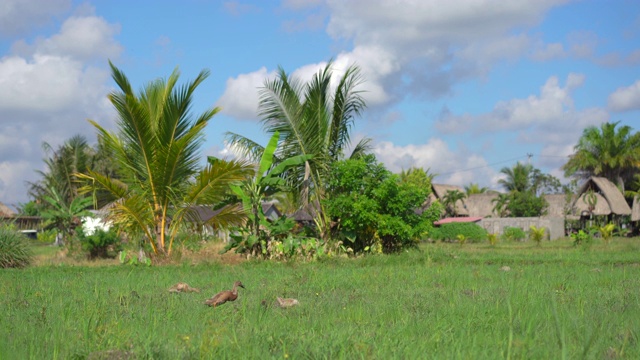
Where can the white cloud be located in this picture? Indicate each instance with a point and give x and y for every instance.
(48, 90)
(83, 38)
(552, 109)
(452, 167)
(17, 16)
(625, 98)
(241, 95)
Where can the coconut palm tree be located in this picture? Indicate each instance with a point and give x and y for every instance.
(609, 151)
(518, 177)
(73, 156)
(451, 198)
(156, 147)
(474, 188)
(312, 118)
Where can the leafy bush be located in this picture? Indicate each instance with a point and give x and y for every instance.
(100, 244)
(47, 236)
(510, 233)
(493, 239)
(371, 207)
(582, 238)
(14, 249)
(537, 234)
(470, 231)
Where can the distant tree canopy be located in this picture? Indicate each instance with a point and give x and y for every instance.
(526, 186)
(608, 151)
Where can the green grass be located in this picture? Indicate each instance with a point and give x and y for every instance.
(444, 301)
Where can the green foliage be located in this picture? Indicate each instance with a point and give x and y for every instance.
(370, 205)
(537, 234)
(47, 236)
(526, 204)
(462, 239)
(156, 145)
(608, 151)
(449, 232)
(582, 238)
(606, 232)
(451, 199)
(14, 248)
(510, 233)
(493, 239)
(127, 257)
(314, 117)
(100, 244)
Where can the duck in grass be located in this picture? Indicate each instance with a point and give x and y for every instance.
(224, 296)
(182, 287)
(286, 303)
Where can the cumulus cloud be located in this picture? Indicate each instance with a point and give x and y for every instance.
(241, 95)
(457, 167)
(48, 90)
(17, 16)
(625, 98)
(551, 109)
(417, 48)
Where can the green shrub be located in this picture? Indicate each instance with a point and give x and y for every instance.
(47, 236)
(100, 244)
(14, 249)
(537, 234)
(449, 232)
(513, 234)
(493, 239)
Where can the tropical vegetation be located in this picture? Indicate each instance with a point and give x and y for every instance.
(313, 119)
(157, 148)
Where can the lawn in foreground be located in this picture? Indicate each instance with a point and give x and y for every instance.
(444, 301)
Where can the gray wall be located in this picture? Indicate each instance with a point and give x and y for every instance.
(555, 225)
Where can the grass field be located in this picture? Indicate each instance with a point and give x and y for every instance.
(443, 301)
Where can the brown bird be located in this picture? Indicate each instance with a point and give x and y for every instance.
(224, 296)
(286, 303)
(182, 287)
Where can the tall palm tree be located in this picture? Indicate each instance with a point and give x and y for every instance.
(312, 119)
(157, 152)
(73, 156)
(609, 151)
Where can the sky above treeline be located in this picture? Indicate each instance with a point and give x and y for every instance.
(462, 88)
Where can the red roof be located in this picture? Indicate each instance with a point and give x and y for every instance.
(458, 219)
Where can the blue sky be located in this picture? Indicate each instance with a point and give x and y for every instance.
(461, 87)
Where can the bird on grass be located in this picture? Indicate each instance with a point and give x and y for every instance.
(182, 287)
(224, 296)
(286, 303)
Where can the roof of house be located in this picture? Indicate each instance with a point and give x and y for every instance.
(6, 211)
(462, 219)
(609, 198)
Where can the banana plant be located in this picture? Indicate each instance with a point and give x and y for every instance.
(265, 182)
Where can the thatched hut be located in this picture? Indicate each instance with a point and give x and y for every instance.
(6, 212)
(608, 199)
(635, 209)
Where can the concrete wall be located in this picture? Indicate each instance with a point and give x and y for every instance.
(554, 225)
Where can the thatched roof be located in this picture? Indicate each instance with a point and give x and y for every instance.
(635, 209)
(609, 198)
(6, 211)
(307, 213)
(440, 191)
